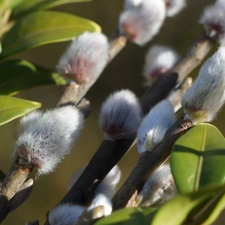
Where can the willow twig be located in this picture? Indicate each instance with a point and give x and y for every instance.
(149, 161)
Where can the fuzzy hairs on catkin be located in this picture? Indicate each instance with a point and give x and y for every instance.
(120, 115)
(155, 125)
(44, 138)
(85, 58)
(65, 214)
(143, 22)
(205, 97)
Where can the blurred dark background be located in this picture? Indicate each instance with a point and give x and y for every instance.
(123, 72)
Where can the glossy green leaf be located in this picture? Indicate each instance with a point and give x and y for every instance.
(128, 216)
(177, 210)
(10, 4)
(34, 5)
(41, 28)
(12, 108)
(198, 159)
(17, 75)
(216, 211)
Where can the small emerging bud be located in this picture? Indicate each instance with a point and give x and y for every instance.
(173, 7)
(120, 115)
(158, 189)
(158, 61)
(213, 20)
(65, 214)
(143, 22)
(130, 4)
(206, 96)
(108, 184)
(85, 58)
(104, 201)
(155, 125)
(46, 137)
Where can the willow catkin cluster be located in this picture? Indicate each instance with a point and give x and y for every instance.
(85, 58)
(213, 20)
(44, 138)
(143, 22)
(158, 61)
(154, 125)
(120, 115)
(206, 96)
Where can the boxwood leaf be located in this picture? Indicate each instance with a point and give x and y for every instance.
(17, 75)
(44, 27)
(198, 159)
(12, 108)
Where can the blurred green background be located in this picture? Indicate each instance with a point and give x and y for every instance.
(123, 72)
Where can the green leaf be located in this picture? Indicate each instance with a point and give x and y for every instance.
(198, 159)
(10, 4)
(128, 216)
(34, 5)
(41, 28)
(177, 210)
(218, 208)
(12, 108)
(17, 75)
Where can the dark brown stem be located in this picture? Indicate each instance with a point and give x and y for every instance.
(22, 195)
(148, 163)
(105, 158)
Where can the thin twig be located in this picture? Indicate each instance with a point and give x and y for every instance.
(22, 195)
(105, 158)
(12, 183)
(149, 161)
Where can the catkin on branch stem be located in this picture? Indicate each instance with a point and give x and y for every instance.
(149, 161)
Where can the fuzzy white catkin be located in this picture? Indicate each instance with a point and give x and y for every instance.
(120, 115)
(154, 125)
(102, 200)
(108, 184)
(213, 20)
(85, 58)
(158, 189)
(65, 214)
(44, 138)
(174, 7)
(158, 60)
(205, 97)
(142, 23)
(130, 4)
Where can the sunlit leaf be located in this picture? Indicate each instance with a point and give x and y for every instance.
(219, 206)
(41, 28)
(10, 4)
(128, 216)
(12, 108)
(17, 75)
(198, 159)
(33, 5)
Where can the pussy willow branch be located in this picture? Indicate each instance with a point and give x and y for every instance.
(116, 45)
(152, 96)
(148, 162)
